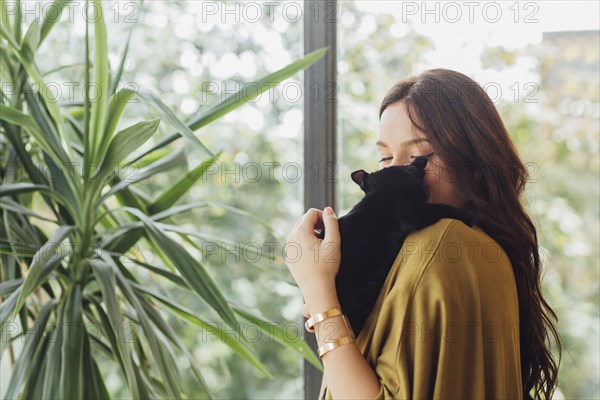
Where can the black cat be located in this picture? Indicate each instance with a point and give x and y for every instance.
(372, 233)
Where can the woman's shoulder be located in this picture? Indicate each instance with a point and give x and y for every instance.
(448, 229)
(449, 251)
(452, 241)
(452, 265)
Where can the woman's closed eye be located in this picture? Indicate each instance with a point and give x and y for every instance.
(411, 157)
(424, 155)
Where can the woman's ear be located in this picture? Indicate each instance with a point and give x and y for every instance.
(360, 177)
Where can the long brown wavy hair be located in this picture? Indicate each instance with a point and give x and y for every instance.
(467, 133)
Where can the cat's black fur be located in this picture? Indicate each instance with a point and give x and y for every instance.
(372, 233)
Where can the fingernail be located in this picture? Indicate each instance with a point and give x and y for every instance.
(329, 211)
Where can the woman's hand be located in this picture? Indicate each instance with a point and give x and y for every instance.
(315, 262)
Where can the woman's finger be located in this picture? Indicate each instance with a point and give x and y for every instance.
(332, 228)
(312, 219)
(299, 220)
(304, 311)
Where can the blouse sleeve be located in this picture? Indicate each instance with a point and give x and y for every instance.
(447, 325)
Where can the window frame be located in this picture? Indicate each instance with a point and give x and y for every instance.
(320, 131)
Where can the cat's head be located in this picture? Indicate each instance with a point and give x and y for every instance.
(413, 172)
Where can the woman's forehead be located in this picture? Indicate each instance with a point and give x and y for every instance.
(396, 128)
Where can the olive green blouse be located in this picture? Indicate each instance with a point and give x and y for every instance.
(445, 324)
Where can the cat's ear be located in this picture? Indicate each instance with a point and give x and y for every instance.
(420, 163)
(360, 177)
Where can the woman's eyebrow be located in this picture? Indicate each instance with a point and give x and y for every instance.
(408, 142)
(414, 141)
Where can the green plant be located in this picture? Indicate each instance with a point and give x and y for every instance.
(71, 223)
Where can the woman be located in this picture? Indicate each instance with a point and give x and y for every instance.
(461, 314)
